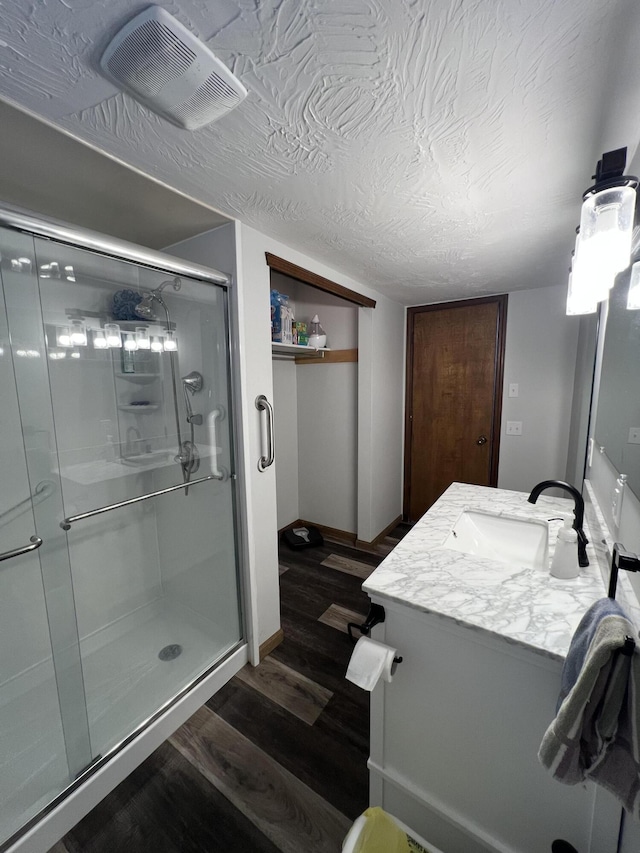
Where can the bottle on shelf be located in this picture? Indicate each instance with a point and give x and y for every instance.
(317, 335)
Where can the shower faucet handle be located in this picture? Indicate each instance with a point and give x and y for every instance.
(195, 419)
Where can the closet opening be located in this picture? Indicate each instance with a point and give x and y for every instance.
(315, 397)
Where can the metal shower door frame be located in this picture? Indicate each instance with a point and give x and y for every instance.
(35, 226)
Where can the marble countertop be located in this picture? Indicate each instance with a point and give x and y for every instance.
(524, 606)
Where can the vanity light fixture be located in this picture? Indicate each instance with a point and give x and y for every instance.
(130, 342)
(156, 344)
(112, 334)
(578, 302)
(63, 336)
(142, 337)
(78, 333)
(603, 247)
(170, 341)
(99, 339)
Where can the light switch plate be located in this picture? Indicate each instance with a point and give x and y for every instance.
(634, 435)
(513, 389)
(514, 427)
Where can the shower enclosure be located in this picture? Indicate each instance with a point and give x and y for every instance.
(119, 580)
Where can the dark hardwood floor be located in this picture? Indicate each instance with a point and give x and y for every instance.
(276, 760)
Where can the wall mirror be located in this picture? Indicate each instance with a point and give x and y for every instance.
(617, 420)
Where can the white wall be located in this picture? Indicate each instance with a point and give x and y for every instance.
(327, 417)
(381, 345)
(328, 447)
(238, 250)
(285, 409)
(540, 356)
(221, 249)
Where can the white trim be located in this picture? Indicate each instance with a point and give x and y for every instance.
(451, 816)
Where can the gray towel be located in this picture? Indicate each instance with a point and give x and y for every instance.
(595, 734)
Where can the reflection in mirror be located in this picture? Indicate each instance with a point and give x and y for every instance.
(617, 425)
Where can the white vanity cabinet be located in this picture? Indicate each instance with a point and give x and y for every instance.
(455, 735)
(454, 741)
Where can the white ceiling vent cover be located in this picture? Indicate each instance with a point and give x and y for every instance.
(168, 69)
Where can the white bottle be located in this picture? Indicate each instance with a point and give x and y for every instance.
(565, 557)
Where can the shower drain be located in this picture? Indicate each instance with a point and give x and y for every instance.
(170, 652)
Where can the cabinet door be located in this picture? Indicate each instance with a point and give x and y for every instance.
(462, 722)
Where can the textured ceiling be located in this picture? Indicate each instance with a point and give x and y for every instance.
(434, 149)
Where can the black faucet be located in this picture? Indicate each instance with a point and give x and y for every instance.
(578, 512)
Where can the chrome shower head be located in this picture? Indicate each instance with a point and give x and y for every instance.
(193, 381)
(144, 308)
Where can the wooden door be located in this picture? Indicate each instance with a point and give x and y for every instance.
(455, 356)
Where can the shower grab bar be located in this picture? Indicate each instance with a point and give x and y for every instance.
(67, 522)
(41, 491)
(35, 542)
(266, 459)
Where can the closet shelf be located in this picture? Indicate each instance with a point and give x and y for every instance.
(295, 350)
(140, 409)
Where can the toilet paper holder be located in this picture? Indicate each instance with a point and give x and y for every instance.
(375, 617)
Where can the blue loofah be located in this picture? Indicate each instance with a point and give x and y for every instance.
(124, 304)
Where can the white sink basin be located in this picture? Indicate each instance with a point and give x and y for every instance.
(508, 539)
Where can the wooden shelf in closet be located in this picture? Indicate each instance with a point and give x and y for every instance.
(311, 355)
(333, 356)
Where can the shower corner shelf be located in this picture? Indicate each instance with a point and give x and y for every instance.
(139, 378)
(139, 410)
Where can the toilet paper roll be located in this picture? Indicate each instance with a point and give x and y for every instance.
(370, 662)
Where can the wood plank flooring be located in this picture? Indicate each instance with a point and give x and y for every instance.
(276, 760)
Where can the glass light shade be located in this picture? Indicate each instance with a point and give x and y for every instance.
(156, 344)
(78, 333)
(577, 302)
(170, 341)
(606, 228)
(130, 342)
(75, 354)
(591, 281)
(633, 299)
(63, 336)
(112, 334)
(99, 340)
(142, 337)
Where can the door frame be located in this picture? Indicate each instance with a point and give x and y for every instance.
(501, 329)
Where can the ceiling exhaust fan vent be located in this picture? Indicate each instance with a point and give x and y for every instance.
(168, 69)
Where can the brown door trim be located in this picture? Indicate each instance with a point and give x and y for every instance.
(501, 330)
(318, 281)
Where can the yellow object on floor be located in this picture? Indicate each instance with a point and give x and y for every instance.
(381, 834)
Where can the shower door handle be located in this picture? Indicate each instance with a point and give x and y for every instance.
(35, 542)
(266, 432)
(212, 419)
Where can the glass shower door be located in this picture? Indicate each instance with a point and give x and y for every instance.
(139, 378)
(116, 452)
(35, 764)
